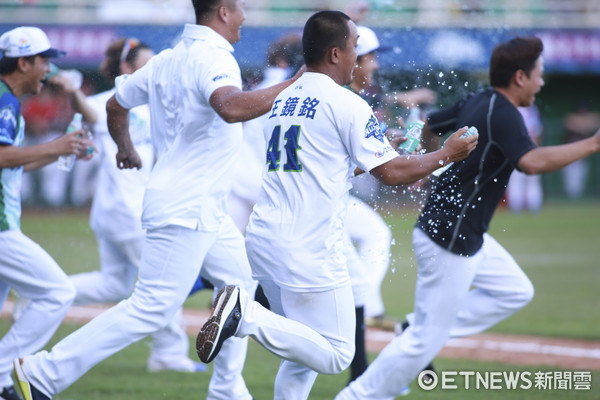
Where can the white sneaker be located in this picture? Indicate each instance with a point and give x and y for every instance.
(180, 364)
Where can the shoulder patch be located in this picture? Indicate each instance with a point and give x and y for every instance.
(373, 129)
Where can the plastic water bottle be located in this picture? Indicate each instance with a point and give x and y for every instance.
(66, 161)
(54, 70)
(414, 126)
(470, 132)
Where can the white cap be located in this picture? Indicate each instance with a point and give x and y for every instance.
(367, 41)
(27, 41)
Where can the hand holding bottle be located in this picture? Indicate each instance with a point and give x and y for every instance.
(78, 141)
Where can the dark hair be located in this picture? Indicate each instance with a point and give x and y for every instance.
(203, 8)
(121, 50)
(289, 49)
(322, 31)
(9, 65)
(519, 53)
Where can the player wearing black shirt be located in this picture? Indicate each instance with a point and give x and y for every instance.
(467, 281)
(462, 202)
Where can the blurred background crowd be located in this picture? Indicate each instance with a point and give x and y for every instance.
(442, 45)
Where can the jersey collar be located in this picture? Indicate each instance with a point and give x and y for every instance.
(202, 32)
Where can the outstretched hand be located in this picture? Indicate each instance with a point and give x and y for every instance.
(63, 82)
(397, 136)
(75, 142)
(457, 147)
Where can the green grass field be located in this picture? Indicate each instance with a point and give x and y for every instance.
(558, 249)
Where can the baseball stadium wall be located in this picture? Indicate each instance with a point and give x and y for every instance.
(450, 60)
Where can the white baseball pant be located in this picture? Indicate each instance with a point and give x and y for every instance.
(359, 274)
(373, 237)
(445, 308)
(575, 177)
(313, 332)
(524, 192)
(172, 257)
(119, 263)
(34, 275)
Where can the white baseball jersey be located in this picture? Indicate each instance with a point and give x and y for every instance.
(194, 147)
(250, 163)
(317, 132)
(117, 206)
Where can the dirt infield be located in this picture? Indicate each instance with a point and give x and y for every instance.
(510, 349)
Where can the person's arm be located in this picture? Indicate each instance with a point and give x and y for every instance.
(412, 97)
(405, 169)
(34, 157)
(430, 141)
(80, 105)
(545, 159)
(78, 98)
(235, 105)
(118, 127)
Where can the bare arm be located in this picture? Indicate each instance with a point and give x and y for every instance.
(78, 98)
(118, 127)
(412, 97)
(407, 169)
(551, 158)
(429, 140)
(234, 105)
(33, 157)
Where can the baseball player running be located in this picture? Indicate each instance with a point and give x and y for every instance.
(319, 131)
(195, 98)
(24, 265)
(116, 212)
(452, 248)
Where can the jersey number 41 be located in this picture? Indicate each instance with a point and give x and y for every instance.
(291, 146)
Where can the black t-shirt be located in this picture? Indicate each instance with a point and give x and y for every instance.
(462, 201)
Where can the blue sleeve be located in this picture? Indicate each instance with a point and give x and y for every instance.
(9, 111)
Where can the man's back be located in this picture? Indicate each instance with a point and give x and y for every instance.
(195, 148)
(319, 131)
(462, 202)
